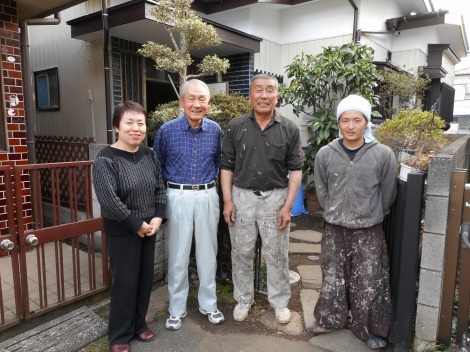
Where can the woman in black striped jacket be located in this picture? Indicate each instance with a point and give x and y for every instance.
(129, 186)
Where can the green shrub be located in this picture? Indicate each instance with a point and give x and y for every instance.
(225, 107)
(222, 109)
(163, 113)
(418, 133)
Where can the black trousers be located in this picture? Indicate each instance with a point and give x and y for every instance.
(131, 260)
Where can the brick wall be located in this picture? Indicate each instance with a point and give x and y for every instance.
(239, 74)
(12, 116)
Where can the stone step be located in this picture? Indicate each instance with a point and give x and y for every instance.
(311, 276)
(306, 235)
(300, 248)
(294, 327)
(308, 299)
(339, 341)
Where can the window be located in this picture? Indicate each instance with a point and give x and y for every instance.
(47, 89)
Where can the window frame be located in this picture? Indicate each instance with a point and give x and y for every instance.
(52, 83)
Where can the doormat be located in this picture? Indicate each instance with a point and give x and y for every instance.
(68, 333)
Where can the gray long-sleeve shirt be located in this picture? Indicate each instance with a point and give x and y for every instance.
(129, 187)
(358, 193)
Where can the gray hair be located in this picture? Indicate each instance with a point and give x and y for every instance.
(265, 76)
(198, 82)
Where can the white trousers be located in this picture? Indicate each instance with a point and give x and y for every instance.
(191, 212)
(253, 213)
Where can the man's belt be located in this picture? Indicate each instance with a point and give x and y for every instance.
(191, 187)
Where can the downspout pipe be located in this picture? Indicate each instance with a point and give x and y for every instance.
(28, 79)
(107, 83)
(356, 12)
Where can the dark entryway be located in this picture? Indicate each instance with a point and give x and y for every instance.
(159, 93)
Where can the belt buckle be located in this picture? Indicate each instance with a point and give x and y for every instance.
(195, 187)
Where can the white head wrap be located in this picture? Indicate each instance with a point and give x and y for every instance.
(357, 103)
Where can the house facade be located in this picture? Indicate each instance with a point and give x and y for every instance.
(257, 37)
(77, 65)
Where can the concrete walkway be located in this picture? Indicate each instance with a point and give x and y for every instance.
(198, 335)
(195, 338)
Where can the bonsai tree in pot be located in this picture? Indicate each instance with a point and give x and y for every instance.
(415, 136)
(318, 82)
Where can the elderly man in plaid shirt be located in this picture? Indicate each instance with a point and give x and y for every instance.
(189, 150)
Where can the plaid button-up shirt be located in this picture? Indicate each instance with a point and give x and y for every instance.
(187, 155)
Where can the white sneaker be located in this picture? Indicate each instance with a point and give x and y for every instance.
(241, 310)
(175, 323)
(214, 317)
(282, 315)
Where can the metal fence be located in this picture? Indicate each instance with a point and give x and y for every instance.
(58, 149)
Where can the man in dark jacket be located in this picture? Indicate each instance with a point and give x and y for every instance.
(355, 181)
(261, 172)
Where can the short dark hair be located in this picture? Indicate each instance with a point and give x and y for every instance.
(265, 76)
(126, 106)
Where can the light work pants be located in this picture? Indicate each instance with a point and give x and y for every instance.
(191, 212)
(253, 213)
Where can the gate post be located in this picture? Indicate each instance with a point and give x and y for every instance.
(451, 256)
(404, 259)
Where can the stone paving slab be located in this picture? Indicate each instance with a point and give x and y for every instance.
(306, 235)
(294, 327)
(304, 248)
(308, 299)
(339, 341)
(311, 276)
(68, 333)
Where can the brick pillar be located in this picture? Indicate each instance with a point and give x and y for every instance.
(12, 116)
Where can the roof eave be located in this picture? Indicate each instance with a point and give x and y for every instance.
(124, 19)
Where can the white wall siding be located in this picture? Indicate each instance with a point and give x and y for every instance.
(238, 18)
(316, 20)
(409, 59)
(53, 47)
(372, 12)
(269, 58)
(415, 38)
(448, 63)
(380, 50)
(264, 22)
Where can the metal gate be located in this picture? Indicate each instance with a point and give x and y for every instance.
(57, 253)
(456, 281)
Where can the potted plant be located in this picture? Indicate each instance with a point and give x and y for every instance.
(311, 200)
(415, 136)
